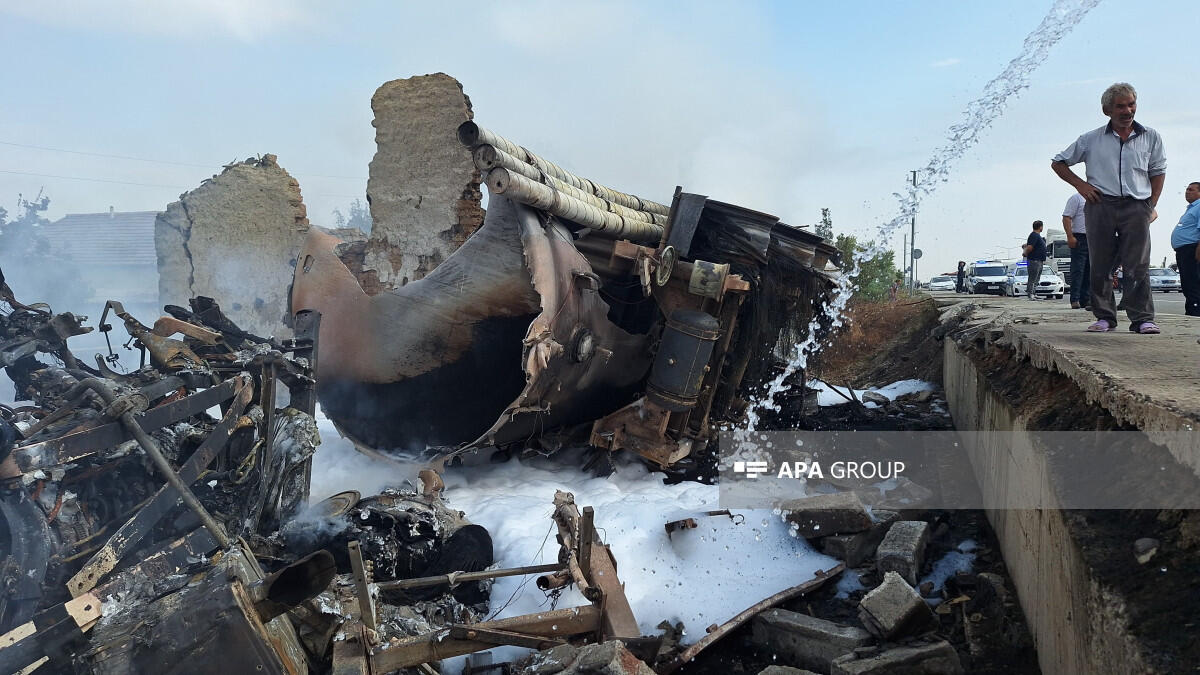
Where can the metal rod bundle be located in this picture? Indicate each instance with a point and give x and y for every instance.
(527, 178)
(488, 157)
(528, 191)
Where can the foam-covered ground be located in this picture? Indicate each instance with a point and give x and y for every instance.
(698, 577)
(830, 395)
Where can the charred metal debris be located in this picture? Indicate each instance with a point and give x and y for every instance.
(157, 521)
(575, 315)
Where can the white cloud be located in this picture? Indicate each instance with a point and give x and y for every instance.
(946, 63)
(243, 20)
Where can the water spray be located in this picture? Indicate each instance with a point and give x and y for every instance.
(979, 115)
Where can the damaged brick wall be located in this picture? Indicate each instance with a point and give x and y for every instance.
(423, 187)
(235, 238)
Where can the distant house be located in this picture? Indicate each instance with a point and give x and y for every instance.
(113, 251)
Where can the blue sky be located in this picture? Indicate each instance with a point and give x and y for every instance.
(783, 107)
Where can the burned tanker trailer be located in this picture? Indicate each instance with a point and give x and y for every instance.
(574, 314)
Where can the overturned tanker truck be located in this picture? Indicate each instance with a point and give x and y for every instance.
(574, 314)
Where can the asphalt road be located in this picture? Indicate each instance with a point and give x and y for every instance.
(1164, 303)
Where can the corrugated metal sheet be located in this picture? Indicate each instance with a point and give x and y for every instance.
(103, 238)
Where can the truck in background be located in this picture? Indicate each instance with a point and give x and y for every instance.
(1058, 254)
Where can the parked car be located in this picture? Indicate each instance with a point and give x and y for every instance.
(1049, 283)
(987, 276)
(1163, 279)
(941, 284)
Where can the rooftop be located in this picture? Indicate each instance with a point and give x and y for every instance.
(104, 238)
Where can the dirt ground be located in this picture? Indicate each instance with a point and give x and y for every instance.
(884, 343)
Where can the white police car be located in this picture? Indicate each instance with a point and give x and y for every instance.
(987, 276)
(1049, 283)
(1163, 279)
(941, 284)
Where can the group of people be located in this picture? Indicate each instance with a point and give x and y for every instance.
(1107, 222)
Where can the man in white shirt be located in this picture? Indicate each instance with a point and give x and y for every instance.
(1126, 168)
(1073, 221)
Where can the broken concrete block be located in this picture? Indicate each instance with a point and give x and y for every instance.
(903, 549)
(235, 239)
(906, 495)
(608, 658)
(803, 640)
(550, 661)
(423, 187)
(894, 608)
(855, 549)
(784, 670)
(875, 397)
(937, 658)
(828, 514)
(1144, 549)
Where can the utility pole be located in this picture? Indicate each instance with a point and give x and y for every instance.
(904, 257)
(912, 283)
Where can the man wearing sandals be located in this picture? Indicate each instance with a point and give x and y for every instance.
(1126, 169)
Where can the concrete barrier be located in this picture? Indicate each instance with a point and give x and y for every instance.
(1078, 625)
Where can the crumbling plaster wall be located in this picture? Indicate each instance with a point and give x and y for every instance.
(423, 187)
(235, 238)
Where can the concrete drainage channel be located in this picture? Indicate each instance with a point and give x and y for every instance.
(1109, 586)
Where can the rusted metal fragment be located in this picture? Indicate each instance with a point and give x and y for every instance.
(577, 363)
(747, 614)
(588, 563)
(475, 352)
(440, 645)
(597, 565)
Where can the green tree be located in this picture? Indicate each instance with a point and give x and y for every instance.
(825, 227)
(876, 272)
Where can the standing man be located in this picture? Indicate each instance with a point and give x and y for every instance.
(1073, 224)
(960, 285)
(1035, 253)
(1126, 168)
(1184, 239)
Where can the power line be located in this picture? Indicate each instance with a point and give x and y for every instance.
(100, 154)
(153, 161)
(157, 185)
(94, 180)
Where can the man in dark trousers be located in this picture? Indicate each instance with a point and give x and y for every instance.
(1073, 221)
(1035, 255)
(1126, 168)
(1184, 239)
(960, 286)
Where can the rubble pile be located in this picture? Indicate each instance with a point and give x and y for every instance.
(157, 520)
